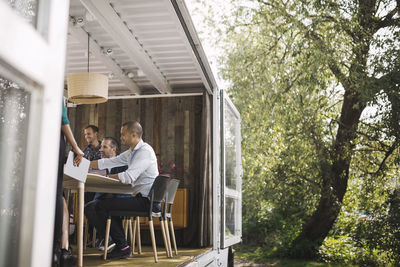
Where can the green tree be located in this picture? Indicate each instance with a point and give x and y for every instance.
(302, 73)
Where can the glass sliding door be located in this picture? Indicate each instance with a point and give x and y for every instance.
(231, 169)
(27, 9)
(14, 120)
(32, 56)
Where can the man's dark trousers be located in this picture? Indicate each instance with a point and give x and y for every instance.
(137, 203)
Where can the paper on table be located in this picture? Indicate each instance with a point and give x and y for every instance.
(77, 172)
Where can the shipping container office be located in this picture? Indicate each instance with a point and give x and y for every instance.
(158, 74)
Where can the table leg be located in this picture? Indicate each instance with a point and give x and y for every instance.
(79, 241)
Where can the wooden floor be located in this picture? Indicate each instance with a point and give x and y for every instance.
(92, 258)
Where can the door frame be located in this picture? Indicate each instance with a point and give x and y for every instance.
(225, 102)
(33, 55)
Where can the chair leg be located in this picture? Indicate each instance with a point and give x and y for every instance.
(131, 235)
(94, 237)
(138, 240)
(85, 237)
(134, 234)
(125, 223)
(171, 224)
(68, 192)
(168, 238)
(153, 240)
(164, 236)
(107, 237)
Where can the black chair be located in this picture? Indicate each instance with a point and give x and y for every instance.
(157, 194)
(167, 217)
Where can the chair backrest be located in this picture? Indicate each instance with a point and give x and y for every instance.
(171, 190)
(159, 188)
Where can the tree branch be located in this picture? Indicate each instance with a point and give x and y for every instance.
(333, 65)
(303, 177)
(345, 24)
(368, 150)
(338, 73)
(387, 154)
(392, 77)
(388, 20)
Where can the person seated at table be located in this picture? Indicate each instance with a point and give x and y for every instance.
(108, 149)
(91, 152)
(141, 173)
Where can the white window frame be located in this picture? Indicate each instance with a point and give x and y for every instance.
(35, 58)
(225, 102)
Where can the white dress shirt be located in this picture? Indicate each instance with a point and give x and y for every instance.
(142, 167)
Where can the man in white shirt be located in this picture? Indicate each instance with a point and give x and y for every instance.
(141, 173)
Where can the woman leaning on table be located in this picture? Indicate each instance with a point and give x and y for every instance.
(61, 254)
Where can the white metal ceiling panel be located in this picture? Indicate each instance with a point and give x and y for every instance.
(154, 55)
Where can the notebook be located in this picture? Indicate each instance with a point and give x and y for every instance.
(77, 172)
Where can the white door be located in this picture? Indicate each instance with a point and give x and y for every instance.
(32, 59)
(231, 172)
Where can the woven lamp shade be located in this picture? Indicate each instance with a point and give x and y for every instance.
(87, 88)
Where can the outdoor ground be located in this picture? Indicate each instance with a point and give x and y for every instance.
(256, 257)
(243, 262)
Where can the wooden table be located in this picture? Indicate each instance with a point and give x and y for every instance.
(94, 183)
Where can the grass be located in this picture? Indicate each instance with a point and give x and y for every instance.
(251, 255)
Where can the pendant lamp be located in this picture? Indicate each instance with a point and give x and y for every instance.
(87, 87)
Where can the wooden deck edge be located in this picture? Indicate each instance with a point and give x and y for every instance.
(194, 259)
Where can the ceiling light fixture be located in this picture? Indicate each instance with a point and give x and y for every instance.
(87, 87)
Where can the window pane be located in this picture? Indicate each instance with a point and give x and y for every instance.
(14, 107)
(230, 123)
(230, 218)
(26, 9)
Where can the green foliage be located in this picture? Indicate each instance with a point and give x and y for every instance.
(345, 250)
(367, 230)
(287, 132)
(373, 244)
(340, 249)
(290, 65)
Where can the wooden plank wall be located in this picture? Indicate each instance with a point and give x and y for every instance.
(171, 125)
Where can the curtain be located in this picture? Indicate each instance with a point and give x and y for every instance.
(205, 231)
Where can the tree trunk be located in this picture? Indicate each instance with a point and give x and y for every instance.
(335, 184)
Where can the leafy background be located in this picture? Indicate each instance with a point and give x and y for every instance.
(288, 66)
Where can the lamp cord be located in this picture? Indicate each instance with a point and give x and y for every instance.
(88, 42)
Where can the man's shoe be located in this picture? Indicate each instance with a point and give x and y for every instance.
(119, 253)
(66, 259)
(111, 244)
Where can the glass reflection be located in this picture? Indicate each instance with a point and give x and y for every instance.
(14, 116)
(230, 206)
(26, 9)
(230, 123)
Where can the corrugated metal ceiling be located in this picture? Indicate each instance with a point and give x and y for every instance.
(163, 45)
